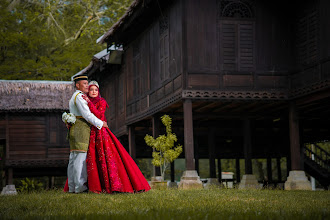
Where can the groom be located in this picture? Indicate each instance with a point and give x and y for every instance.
(79, 135)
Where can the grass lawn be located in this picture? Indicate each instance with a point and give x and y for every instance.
(169, 204)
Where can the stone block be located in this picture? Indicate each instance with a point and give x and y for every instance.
(212, 183)
(172, 185)
(249, 181)
(9, 190)
(297, 180)
(190, 180)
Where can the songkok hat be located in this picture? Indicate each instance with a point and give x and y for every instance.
(93, 83)
(80, 77)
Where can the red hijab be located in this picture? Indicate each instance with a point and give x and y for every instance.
(96, 99)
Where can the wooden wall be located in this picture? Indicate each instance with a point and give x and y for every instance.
(252, 52)
(312, 45)
(151, 69)
(34, 136)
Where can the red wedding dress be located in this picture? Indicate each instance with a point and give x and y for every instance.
(109, 167)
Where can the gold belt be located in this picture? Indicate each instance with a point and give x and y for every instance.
(79, 116)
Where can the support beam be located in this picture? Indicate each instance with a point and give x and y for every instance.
(211, 143)
(248, 180)
(238, 171)
(131, 142)
(7, 136)
(196, 154)
(294, 137)
(219, 171)
(297, 179)
(279, 171)
(172, 172)
(269, 170)
(188, 134)
(247, 146)
(190, 178)
(10, 175)
(155, 134)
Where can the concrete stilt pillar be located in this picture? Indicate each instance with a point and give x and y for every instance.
(297, 180)
(190, 178)
(249, 181)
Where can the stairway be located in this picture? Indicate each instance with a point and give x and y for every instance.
(317, 163)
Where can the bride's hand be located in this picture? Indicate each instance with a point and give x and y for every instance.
(86, 98)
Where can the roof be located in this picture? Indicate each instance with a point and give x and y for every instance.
(30, 95)
(138, 16)
(120, 22)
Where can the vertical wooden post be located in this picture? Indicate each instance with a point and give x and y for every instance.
(196, 154)
(211, 143)
(247, 146)
(294, 137)
(269, 170)
(131, 142)
(219, 170)
(279, 171)
(7, 136)
(238, 171)
(172, 172)
(155, 134)
(10, 176)
(288, 165)
(188, 134)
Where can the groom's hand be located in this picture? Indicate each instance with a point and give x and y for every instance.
(105, 125)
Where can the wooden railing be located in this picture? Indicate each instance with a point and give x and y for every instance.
(320, 156)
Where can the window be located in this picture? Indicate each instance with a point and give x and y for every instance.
(236, 35)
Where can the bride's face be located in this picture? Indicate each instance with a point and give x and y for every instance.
(93, 91)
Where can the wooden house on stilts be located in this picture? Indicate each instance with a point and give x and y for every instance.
(242, 79)
(32, 135)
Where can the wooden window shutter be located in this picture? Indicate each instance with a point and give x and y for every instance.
(307, 36)
(246, 47)
(236, 45)
(228, 42)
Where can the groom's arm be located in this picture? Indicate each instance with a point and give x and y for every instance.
(86, 113)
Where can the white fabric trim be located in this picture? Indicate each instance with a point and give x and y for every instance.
(81, 109)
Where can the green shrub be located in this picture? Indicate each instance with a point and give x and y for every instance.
(29, 185)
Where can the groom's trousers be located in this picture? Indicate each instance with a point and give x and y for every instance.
(77, 172)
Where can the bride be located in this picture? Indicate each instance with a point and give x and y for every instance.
(109, 167)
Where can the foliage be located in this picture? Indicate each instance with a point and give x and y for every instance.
(54, 39)
(169, 204)
(29, 185)
(164, 152)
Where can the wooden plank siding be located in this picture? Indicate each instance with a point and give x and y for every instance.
(35, 136)
(151, 71)
(236, 53)
(219, 50)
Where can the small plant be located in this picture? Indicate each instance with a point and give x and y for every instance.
(29, 185)
(164, 152)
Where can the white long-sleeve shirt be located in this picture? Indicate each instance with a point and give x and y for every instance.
(80, 108)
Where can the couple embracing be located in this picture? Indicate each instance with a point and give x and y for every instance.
(98, 162)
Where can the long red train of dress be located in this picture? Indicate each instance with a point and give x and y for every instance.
(109, 167)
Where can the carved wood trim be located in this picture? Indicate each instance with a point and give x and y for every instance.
(246, 95)
(295, 93)
(155, 108)
(37, 163)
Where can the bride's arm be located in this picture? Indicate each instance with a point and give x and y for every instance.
(98, 112)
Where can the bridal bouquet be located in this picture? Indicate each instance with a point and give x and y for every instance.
(68, 118)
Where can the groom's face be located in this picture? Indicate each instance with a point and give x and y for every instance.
(82, 85)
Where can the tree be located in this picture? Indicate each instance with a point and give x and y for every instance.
(52, 39)
(165, 152)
